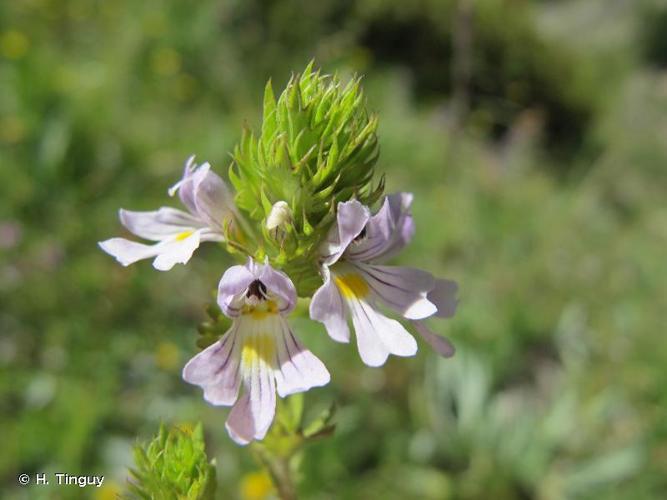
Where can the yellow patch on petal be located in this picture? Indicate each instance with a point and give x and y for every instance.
(258, 347)
(351, 285)
(183, 235)
(261, 310)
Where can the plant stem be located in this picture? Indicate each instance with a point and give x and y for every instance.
(280, 472)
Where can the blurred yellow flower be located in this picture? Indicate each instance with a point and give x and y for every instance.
(256, 486)
(166, 62)
(185, 87)
(109, 491)
(14, 44)
(12, 130)
(167, 356)
(186, 428)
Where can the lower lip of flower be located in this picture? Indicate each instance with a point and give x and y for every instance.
(259, 347)
(351, 285)
(183, 235)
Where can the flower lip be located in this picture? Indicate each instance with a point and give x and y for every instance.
(256, 289)
(254, 284)
(386, 232)
(351, 219)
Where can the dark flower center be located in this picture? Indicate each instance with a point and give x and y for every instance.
(361, 235)
(256, 289)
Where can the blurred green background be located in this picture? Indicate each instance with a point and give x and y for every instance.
(534, 135)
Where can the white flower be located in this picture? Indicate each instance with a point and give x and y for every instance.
(356, 284)
(178, 233)
(259, 350)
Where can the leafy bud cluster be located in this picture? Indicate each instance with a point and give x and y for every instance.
(317, 146)
(173, 465)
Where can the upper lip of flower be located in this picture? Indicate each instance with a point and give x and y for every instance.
(351, 220)
(361, 236)
(204, 194)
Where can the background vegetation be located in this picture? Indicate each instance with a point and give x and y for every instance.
(534, 134)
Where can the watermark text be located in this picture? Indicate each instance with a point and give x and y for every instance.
(60, 479)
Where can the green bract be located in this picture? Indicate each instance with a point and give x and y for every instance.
(317, 146)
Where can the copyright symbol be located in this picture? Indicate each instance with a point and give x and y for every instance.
(24, 479)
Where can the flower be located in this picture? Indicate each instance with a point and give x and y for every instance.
(355, 284)
(259, 350)
(178, 233)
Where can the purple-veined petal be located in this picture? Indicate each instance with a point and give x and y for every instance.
(159, 224)
(252, 415)
(236, 280)
(212, 197)
(233, 283)
(350, 221)
(443, 296)
(177, 251)
(403, 289)
(185, 186)
(262, 397)
(404, 226)
(327, 307)
(387, 232)
(379, 336)
(208, 234)
(440, 344)
(205, 194)
(279, 284)
(240, 423)
(298, 369)
(216, 370)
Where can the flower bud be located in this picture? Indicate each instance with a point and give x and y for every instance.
(280, 215)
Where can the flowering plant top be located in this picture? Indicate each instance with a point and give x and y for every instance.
(300, 218)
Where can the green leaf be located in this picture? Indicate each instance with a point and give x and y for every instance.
(307, 228)
(322, 425)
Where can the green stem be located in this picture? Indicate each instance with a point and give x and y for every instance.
(280, 471)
